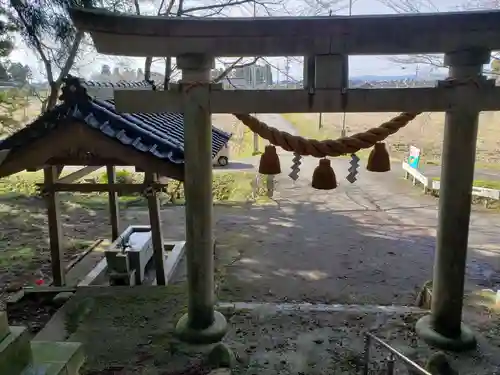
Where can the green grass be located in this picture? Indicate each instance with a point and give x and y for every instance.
(304, 128)
(310, 129)
(488, 166)
(242, 146)
(487, 184)
(85, 217)
(479, 164)
(23, 211)
(228, 186)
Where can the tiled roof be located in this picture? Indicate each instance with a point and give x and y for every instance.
(158, 134)
(119, 84)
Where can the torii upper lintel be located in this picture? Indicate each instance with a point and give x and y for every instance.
(132, 35)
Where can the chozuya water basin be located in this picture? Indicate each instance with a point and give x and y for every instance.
(128, 256)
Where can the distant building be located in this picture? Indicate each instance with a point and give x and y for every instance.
(6, 85)
(251, 76)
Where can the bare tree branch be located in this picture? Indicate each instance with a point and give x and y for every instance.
(432, 60)
(414, 6)
(199, 8)
(215, 6)
(234, 65)
(286, 74)
(411, 6)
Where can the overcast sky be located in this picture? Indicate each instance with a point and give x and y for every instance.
(369, 65)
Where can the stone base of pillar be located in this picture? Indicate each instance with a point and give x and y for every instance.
(426, 331)
(212, 334)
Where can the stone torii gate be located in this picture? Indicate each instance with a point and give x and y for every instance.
(466, 39)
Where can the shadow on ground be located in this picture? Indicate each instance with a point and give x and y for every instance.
(304, 252)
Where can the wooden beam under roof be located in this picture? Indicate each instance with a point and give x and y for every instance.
(118, 188)
(132, 35)
(75, 176)
(80, 138)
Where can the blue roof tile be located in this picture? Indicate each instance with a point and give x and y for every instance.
(159, 134)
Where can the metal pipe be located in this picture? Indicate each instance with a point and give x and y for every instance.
(398, 354)
(366, 353)
(390, 364)
(83, 254)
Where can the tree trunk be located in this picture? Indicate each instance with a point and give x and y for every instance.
(168, 72)
(53, 96)
(147, 68)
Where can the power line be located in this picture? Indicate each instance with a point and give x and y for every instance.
(279, 70)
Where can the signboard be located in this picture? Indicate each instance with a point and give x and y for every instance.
(414, 157)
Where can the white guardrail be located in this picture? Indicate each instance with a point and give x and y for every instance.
(429, 184)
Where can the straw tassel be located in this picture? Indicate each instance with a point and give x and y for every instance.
(379, 160)
(269, 161)
(324, 176)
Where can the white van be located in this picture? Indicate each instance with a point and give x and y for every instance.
(222, 157)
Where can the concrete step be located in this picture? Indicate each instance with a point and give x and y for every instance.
(4, 325)
(15, 351)
(55, 358)
(19, 356)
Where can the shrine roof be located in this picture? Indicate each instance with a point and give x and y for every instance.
(160, 134)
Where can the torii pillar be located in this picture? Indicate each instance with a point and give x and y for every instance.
(443, 328)
(201, 324)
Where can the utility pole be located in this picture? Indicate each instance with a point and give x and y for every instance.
(253, 70)
(287, 70)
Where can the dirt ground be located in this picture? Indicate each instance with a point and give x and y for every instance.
(274, 342)
(371, 242)
(367, 243)
(24, 251)
(130, 331)
(425, 132)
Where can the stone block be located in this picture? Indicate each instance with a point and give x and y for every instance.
(61, 298)
(58, 358)
(4, 325)
(117, 262)
(139, 258)
(221, 356)
(122, 279)
(15, 351)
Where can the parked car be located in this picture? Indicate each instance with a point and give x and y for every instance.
(222, 158)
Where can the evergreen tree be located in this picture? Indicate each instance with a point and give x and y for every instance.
(47, 29)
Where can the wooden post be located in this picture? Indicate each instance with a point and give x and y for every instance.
(54, 221)
(156, 232)
(443, 327)
(114, 211)
(201, 324)
(255, 143)
(331, 72)
(309, 73)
